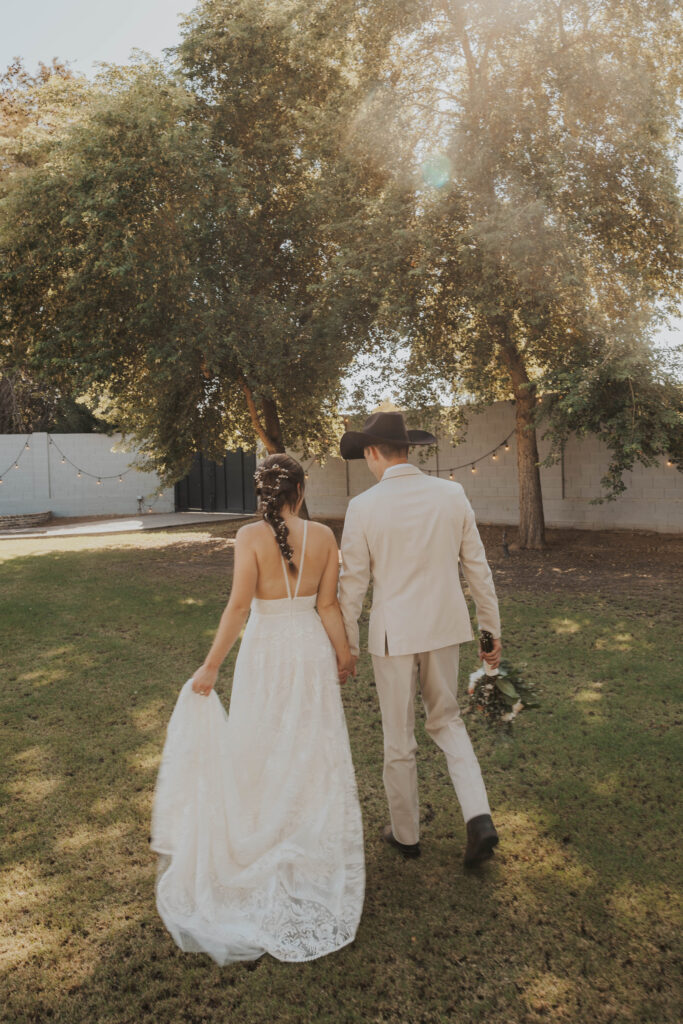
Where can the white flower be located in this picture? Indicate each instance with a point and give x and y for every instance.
(474, 679)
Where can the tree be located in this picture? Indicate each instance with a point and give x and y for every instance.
(27, 406)
(180, 253)
(31, 106)
(633, 403)
(545, 241)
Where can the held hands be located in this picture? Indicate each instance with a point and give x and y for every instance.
(493, 657)
(204, 680)
(346, 667)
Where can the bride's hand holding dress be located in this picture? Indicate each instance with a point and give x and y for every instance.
(245, 577)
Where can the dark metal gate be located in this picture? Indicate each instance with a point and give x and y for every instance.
(226, 486)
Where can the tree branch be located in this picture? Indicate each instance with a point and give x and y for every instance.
(253, 412)
(454, 12)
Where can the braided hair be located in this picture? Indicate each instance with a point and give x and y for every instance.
(279, 481)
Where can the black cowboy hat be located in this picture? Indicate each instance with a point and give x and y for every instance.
(381, 428)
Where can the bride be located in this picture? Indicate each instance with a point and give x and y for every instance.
(256, 820)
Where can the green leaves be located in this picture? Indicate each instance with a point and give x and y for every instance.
(251, 217)
(506, 688)
(184, 244)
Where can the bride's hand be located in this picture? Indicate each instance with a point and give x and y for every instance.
(346, 667)
(204, 680)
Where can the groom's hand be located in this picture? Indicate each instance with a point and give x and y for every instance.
(346, 667)
(492, 658)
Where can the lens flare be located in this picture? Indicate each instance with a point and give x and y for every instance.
(436, 170)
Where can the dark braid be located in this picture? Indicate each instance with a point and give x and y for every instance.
(279, 481)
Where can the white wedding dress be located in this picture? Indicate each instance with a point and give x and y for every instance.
(256, 818)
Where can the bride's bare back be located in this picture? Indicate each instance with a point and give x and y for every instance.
(259, 574)
(321, 555)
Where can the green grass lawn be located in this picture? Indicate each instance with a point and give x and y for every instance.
(574, 920)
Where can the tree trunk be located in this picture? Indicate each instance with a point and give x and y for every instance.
(531, 518)
(268, 428)
(267, 423)
(274, 432)
(275, 444)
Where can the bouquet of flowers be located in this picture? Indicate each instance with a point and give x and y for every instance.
(501, 696)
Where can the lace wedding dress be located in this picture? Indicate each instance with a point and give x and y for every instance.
(256, 820)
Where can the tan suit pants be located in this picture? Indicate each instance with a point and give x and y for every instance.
(396, 678)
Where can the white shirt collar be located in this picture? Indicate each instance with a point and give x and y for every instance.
(401, 469)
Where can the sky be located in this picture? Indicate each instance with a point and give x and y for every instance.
(84, 32)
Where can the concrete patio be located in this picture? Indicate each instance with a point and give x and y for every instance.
(124, 524)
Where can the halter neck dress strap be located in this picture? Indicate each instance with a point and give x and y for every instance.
(286, 573)
(301, 563)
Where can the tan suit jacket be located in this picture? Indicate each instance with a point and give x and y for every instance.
(409, 532)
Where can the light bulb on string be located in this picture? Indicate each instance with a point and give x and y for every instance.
(27, 445)
(63, 459)
(450, 475)
(669, 462)
(16, 465)
(1, 480)
(494, 456)
(507, 447)
(79, 474)
(120, 479)
(474, 468)
(99, 481)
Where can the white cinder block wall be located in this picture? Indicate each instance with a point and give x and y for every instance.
(653, 499)
(43, 483)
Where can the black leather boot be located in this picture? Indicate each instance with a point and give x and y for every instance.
(408, 850)
(481, 839)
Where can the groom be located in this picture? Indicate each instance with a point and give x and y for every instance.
(410, 532)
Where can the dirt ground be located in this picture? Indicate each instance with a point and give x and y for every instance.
(608, 562)
(623, 564)
(603, 561)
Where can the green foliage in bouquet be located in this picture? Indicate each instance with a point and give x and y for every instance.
(499, 698)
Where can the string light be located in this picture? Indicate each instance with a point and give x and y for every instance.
(669, 462)
(473, 464)
(83, 472)
(80, 473)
